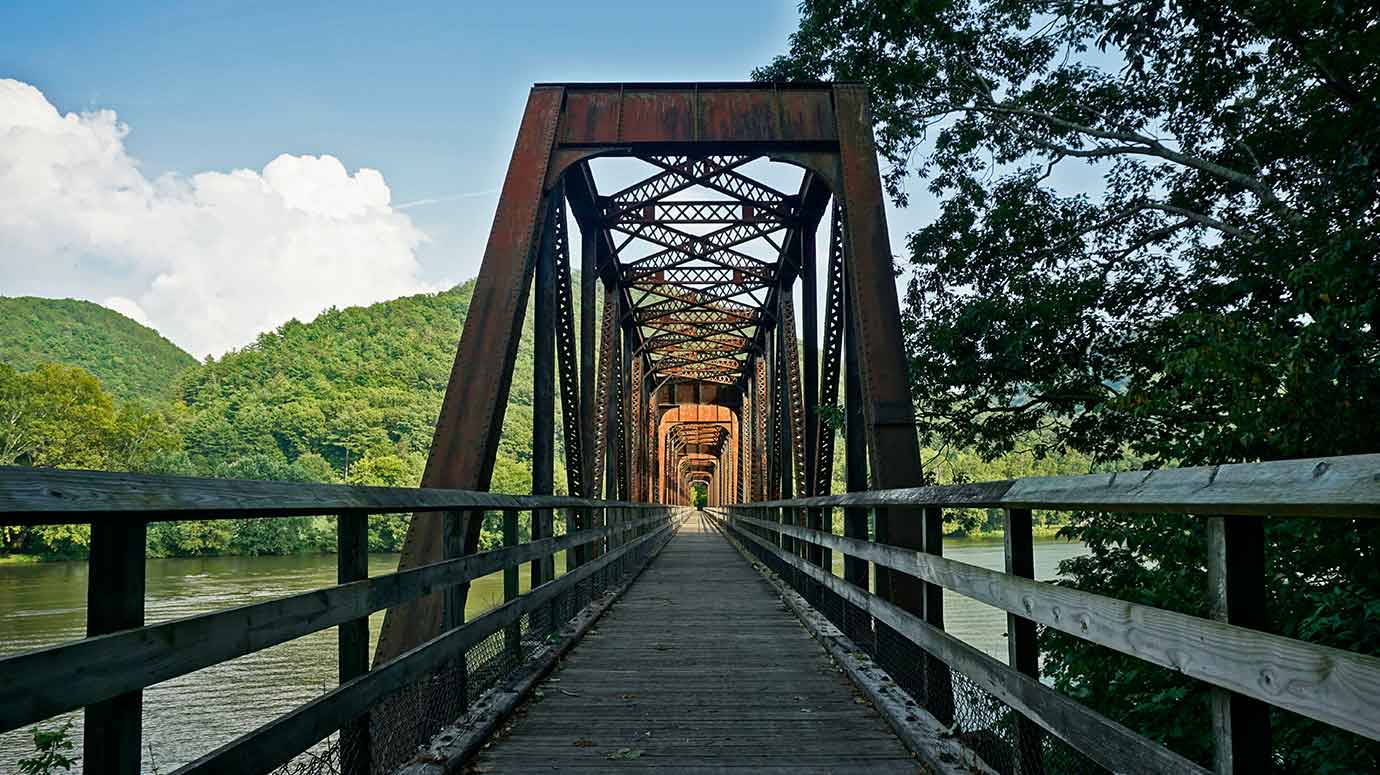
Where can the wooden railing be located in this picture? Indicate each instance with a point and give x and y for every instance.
(106, 672)
(1250, 670)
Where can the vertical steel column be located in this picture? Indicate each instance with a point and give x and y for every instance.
(626, 422)
(113, 729)
(589, 283)
(893, 445)
(589, 321)
(814, 518)
(512, 636)
(465, 445)
(1236, 595)
(856, 570)
(761, 404)
(773, 425)
(544, 389)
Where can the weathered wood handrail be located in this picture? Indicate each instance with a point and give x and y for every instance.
(44, 682)
(277, 742)
(1333, 686)
(1103, 740)
(107, 671)
(1336, 687)
(33, 496)
(1346, 486)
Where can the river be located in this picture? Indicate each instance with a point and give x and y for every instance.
(44, 604)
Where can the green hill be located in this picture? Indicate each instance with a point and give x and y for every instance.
(360, 387)
(131, 360)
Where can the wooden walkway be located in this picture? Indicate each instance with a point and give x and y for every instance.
(698, 669)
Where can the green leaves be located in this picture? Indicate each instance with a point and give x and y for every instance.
(131, 360)
(1155, 244)
(50, 747)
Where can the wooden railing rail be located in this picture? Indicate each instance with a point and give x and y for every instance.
(45, 682)
(107, 671)
(1103, 740)
(1251, 669)
(37, 496)
(276, 743)
(1347, 486)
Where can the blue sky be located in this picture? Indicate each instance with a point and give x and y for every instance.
(427, 93)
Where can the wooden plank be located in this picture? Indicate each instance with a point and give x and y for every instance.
(1236, 594)
(113, 730)
(1101, 739)
(352, 564)
(931, 740)
(36, 496)
(1345, 486)
(449, 748)
(698, 666)
(42, 683)
(1333, 686)
(275, 743)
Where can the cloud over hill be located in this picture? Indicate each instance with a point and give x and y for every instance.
(211, 258)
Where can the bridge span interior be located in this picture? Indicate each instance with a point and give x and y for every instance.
(708, 254)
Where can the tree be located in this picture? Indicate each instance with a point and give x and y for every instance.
(1156, 245)
(387, 531)
(54, 416)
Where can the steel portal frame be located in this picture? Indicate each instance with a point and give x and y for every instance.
(698, 261)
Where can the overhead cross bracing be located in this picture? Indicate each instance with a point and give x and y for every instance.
(699, 245)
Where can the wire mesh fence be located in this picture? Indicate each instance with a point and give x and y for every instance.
(993, 731)
(405, 721)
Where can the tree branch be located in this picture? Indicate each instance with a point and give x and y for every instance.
(1132, 143)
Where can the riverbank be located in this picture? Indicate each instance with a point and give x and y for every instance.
(26, 559)
(1038, 532)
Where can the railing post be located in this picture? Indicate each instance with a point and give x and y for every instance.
(1023, 651)
(939, 688)
(512, 637)
(113, 732)
(455, 595)
(1236, 595)
(352, 564)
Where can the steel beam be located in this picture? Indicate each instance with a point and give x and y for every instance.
(465, 444)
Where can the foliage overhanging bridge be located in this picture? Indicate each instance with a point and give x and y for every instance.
(680, 372)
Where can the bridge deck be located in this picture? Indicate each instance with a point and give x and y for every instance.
(699, 668)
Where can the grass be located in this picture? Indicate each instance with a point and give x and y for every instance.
(19, 559)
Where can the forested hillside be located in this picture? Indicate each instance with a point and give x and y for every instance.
(130, 360)
(357, 388)
(351, 396)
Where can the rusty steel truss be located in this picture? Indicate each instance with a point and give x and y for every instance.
(694, 375)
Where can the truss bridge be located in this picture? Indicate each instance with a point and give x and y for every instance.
(743, 569)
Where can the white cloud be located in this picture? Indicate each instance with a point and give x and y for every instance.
(127, 307)
(210, 259)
